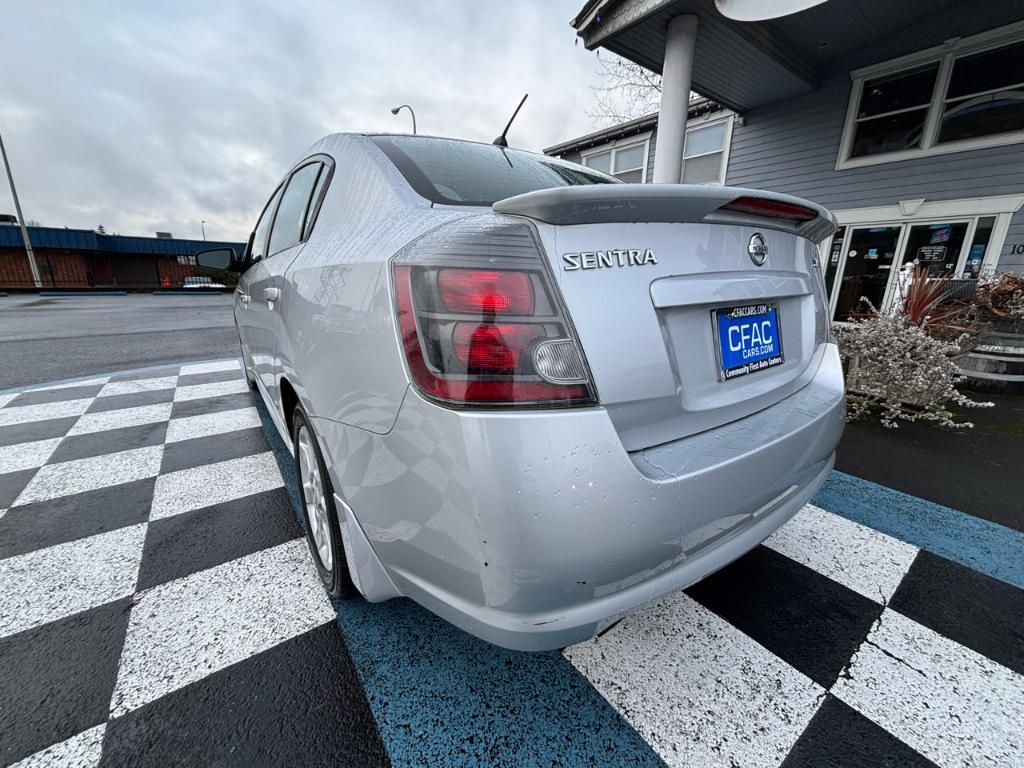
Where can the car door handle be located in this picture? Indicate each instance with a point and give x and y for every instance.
(271, 294)
(245, 298)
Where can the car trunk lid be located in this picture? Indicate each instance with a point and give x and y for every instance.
(664, 288)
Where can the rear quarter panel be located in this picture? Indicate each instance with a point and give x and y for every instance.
(340, 348)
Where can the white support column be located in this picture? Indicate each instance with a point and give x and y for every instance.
(680, 43)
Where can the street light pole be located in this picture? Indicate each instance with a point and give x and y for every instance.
(396, 110)
(202, 225)
(21, 219)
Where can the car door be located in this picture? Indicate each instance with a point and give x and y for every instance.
(245, 314)
(265, 283)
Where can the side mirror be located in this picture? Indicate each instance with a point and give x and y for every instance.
(219, 258)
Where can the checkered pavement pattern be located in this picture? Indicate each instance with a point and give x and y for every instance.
(158, 606)
(147, 543)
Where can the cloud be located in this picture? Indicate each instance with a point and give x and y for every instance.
(154, 116)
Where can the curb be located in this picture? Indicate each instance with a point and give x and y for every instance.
(189, 293)
(88, 377)
(83, 293)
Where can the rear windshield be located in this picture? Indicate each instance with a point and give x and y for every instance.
(463, 173)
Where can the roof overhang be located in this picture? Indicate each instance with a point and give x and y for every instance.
(744, 65)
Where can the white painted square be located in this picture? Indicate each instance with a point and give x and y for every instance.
(49, 584)
(124, 417)
(696, 688)
(954, 706)
(14, 458)
(211, 367)
(135, 386)
(214, 389)
(5, 399)
(80, 475)
(22, 414)
(209, 484)
(203, 425)
(81, 751)
(184, 630)
(868, 562)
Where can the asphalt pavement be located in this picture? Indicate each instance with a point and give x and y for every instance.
(46, 338)
(158, 605)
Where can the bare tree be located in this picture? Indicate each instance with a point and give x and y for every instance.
(628, 91)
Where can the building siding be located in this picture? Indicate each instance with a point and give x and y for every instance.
(792, 146)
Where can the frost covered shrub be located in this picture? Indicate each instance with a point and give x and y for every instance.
(896, 367)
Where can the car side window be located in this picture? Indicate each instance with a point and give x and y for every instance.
(259, 237)
(316, 199)
(291, 213)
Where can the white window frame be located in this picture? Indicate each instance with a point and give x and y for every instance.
(945, 55)
(623, 143)
(709, 120)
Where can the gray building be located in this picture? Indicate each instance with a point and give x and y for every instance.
(906, 119)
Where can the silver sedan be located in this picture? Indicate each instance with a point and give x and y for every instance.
(525, 395)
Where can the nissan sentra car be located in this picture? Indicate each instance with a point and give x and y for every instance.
(526, 395)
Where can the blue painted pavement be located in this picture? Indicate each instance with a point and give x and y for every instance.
(443, 697)
(989, 548)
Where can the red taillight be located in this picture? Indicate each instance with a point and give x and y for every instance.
(494, 336)
(486, 290)
(494, 347)
(775, 209)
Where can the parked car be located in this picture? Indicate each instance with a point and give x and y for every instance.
(199, 281)
(525, 395)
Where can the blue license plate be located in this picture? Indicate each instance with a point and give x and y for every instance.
(748, 339)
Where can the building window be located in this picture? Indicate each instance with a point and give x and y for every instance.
(188, 261)
(705, 155)
(948, 99)
(626, 159)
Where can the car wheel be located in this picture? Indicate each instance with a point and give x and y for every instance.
(318, 510)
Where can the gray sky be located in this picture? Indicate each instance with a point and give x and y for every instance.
(146, 116)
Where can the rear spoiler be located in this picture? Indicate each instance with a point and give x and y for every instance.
(673, 203)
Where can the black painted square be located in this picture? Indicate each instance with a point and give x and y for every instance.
(212, 404)
(207, 450)
(108, 441)
(58, 395)
(299, 703)
(67, 518)
(12, 484)
(203, 538)
(839, 736)
(977, 611)
(133, 400)
(36, 430)
(189, 380)
(56, 680)
(811, 622)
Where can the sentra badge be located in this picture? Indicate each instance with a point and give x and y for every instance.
(632, 257)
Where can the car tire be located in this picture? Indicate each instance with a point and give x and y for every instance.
(319, 513)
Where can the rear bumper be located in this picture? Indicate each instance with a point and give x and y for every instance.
(533, 530)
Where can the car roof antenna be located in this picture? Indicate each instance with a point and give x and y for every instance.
(501, 141)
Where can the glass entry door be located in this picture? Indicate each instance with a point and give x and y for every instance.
(936, 246)
(866, 270)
